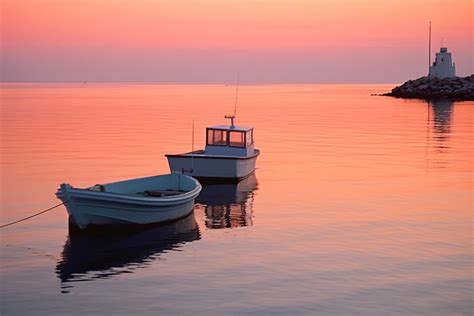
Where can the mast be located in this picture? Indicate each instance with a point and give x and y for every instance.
(429, 51)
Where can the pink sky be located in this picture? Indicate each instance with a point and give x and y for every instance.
(293, 41)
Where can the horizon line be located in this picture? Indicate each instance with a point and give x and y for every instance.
(191, 82)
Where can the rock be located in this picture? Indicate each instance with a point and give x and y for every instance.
(455, 88)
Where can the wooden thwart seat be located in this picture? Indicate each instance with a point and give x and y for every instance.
(158, 193)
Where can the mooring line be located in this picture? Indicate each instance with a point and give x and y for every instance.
(31, 216)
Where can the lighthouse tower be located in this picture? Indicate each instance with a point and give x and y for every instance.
(443, 66)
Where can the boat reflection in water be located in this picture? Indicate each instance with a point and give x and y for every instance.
(95, 254)
(228, 205)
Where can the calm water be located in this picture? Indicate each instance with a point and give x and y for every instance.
(360, 204)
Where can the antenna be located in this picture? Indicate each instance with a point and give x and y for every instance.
(236, 94)
(232, 117)
(429, 51)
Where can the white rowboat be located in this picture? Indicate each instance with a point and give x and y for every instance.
(147, 200)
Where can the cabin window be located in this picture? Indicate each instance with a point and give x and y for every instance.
(216, 137)
(237, 139)
(249, 137)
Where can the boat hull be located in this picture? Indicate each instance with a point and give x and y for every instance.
(87, 207)
(213, 167)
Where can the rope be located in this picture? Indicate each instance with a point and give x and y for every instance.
(31, 216)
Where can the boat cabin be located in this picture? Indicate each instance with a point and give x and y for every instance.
(229, 140)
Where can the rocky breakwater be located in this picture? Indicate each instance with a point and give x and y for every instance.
(455, 89)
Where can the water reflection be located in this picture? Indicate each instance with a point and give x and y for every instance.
(105, 253)
(228, 205)
(442, 112)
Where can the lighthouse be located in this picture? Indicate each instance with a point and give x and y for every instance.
(443, 66)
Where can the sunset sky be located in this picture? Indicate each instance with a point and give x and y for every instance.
(267, 41)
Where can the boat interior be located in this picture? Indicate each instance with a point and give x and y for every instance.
(155, 186)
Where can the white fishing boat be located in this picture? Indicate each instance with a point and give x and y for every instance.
(229, 155)
(137, 201)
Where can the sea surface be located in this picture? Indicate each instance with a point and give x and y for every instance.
(360, 204)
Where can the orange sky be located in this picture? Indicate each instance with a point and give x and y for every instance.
(210, 40)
